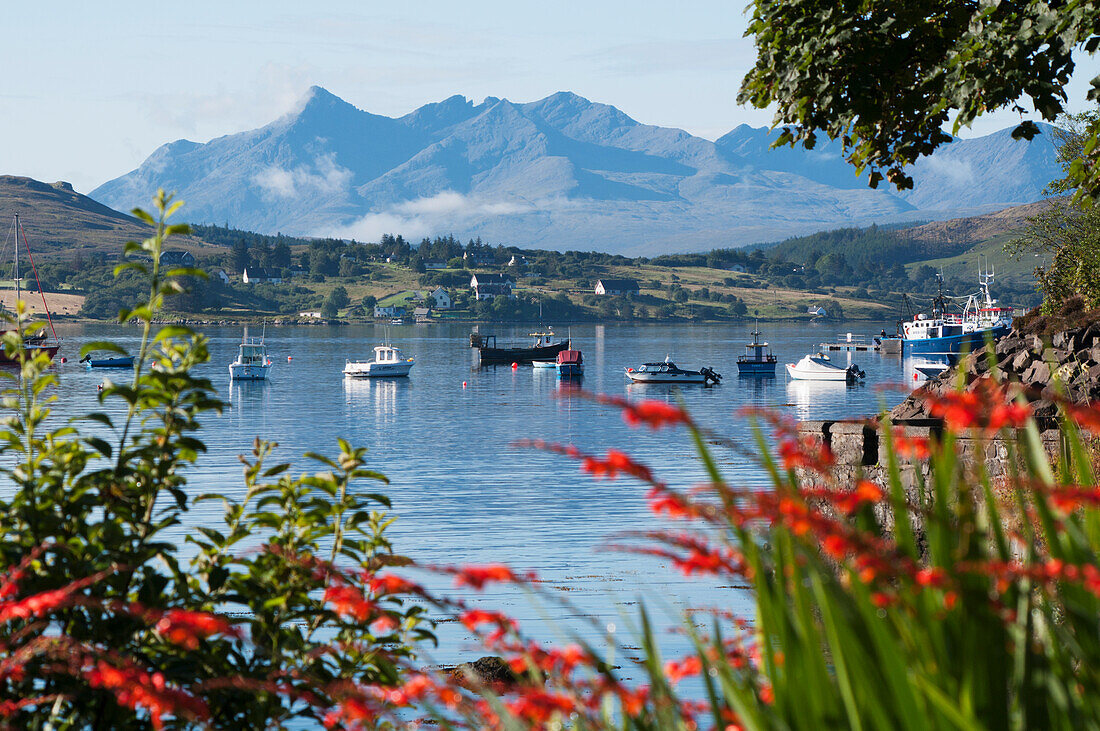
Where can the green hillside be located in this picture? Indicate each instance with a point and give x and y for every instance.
(988, 254)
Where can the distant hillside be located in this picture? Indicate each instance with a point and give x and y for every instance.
(58, 220)
(559, 173)
(956, 243)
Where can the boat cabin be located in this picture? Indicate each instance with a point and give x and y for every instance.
(252, 354)
(569, 357)
(387, 354)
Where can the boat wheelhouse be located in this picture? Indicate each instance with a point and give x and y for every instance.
(758, 361)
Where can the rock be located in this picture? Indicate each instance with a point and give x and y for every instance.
(1020, 362)
(490, 671)
(1044, 409)
(1059, 340)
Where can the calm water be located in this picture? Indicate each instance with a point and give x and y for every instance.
(461, 492)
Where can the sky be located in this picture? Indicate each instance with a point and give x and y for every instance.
(90, 89)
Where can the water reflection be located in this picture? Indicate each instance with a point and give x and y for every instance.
(379, 395)
(807, 397)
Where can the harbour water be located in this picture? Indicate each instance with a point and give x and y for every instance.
(462, 492)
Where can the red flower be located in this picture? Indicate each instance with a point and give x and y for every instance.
(478, 576)
(348, 601)
(185, 628)
(688, 667)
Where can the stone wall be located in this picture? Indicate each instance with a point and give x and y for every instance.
(860, 452)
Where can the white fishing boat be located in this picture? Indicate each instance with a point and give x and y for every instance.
(389, 362)
(818, 367)
(252, 363)
(668, 372)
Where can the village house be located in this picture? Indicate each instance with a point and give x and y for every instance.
(222, 276)
(313, 314)
(443, 300)
(479, 259)
(488, 286)
(817, 311)
(172, 259)
(259, 275)
(423, 314)
(389, 311)
(617, 286)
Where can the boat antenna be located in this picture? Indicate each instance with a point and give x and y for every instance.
(263, 333)
(46, 307)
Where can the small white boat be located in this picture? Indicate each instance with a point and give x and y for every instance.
(544, 364)
(818, 367)
(667, 372)
(252, 363)
(388, 362)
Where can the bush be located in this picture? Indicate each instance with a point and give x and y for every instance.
(104, 623)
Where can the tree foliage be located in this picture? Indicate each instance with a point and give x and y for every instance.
(885, 77)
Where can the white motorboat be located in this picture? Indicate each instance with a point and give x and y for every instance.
(252, 363)
(544, 364)
(388, 362)
(818, 367)
(667, 372)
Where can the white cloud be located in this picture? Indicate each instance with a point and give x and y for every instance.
(957, 172)
(432, 215)
(326, 177)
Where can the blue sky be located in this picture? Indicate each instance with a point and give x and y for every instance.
(91, 89)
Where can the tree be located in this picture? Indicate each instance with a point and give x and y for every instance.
(339, 296)
(329, 310)
(370, 301)
(884, 77)
(241, 256)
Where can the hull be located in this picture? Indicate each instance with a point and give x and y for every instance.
(50, 350)
(507, 356)
(967, 342)
(570, 370)
(241, 372)
(637, 377)
(110, 363)
(377, 370)
(754, 368)
(797, 374)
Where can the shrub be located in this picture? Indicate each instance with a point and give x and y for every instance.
(105, 623)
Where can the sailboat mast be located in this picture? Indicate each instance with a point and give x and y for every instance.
(18, 228)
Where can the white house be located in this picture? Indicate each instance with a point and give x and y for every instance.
(389, 311)
(256, 275)
(316, 315)
(817, 311)
(489, 286)
(616, 286)
(443, 300)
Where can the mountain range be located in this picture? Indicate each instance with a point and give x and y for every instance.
(559, 173)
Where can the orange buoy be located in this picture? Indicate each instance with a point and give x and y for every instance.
(64, 360)
(515, 366)
(464, 384)
(288, 359)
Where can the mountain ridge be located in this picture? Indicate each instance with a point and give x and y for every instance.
(560, 172)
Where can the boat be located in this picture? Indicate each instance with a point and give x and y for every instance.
(931, 370)
(121, 361)
(397, 321)
(388, 362)
(943, 332)
(37, 342)
(758, 361)
(818, 367)
(570, 364)
(668, 372)
(544, 364)
(543, 348)
(252, 363)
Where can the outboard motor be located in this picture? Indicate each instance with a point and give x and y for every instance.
(709, 376)
(856, 371)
